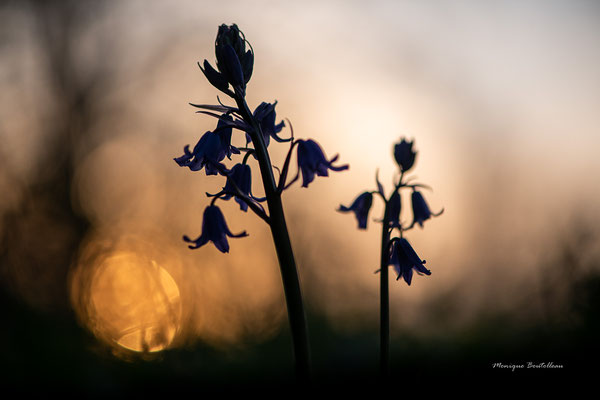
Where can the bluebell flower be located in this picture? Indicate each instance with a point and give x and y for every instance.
(224, 130)
(404, 259)
(265, 116)
(404, 155)
(241, 176)
(207, 152)
(311, 161)
(360, 207)
(393, 208)
(421, 211)
(214, 229)
(210, 150)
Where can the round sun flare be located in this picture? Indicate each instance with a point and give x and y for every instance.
(133, 302)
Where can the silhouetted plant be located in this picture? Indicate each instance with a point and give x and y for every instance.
(234, 69)
(396, 251)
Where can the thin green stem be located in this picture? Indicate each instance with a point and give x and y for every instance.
(283, 248)
(384, 299)
(384, 289)
(248, 154)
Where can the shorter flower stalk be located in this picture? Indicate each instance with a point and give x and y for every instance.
(395, 251)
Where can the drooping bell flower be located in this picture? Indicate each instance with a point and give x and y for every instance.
(404, 155)
(265, 116)
(224, 130)
(210, 150)
(360, 207)
(207, 152)
(311, 161)
(393, 208)
(214, 229)
(421, 211)
(404, 259)
(241, 176)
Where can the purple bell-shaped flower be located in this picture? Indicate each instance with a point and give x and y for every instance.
(311, 161)
(214, 229)
(360, 207)
(404, 259)
(421, 211)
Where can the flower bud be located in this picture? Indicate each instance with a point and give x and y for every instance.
(234, 62)
(404, 155)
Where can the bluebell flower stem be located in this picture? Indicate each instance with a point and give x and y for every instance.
(384, 299)
(384, 288)
(283, 248)
(248, 154)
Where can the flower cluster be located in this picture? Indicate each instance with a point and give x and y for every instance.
(400, 253)
(235, 61)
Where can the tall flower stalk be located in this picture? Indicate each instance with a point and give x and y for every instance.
(234, 69)
(395, 251)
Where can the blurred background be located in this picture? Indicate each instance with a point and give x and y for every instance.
(99, 292)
